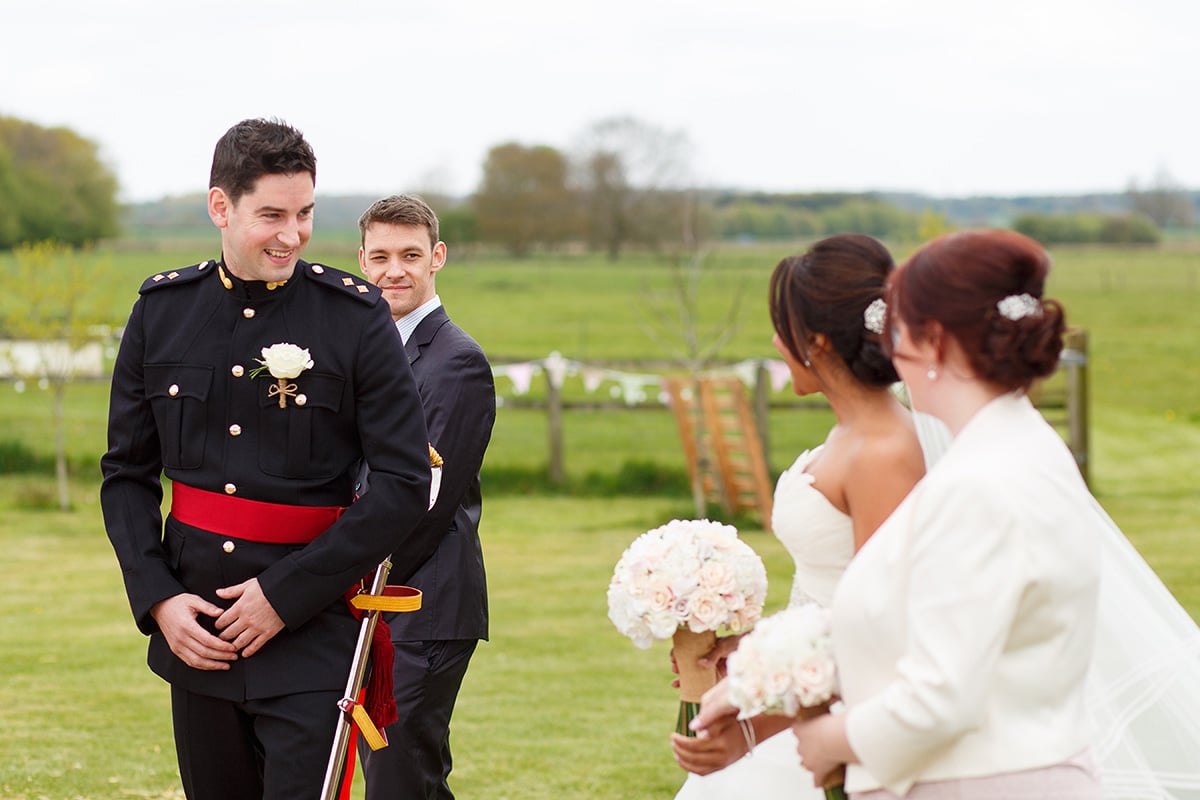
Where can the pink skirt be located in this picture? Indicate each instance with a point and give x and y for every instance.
(1074, 779)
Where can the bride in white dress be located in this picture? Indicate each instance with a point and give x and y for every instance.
(820, 538)
(827, 314)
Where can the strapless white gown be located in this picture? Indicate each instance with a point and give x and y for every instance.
(820, 539)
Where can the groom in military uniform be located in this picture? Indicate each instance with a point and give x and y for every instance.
(258, 383)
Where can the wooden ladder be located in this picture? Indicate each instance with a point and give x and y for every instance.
(735, 475)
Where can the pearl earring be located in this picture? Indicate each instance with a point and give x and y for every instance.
(807, 363)
(932, 373)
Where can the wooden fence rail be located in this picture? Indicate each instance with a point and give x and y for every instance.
(1063, 398)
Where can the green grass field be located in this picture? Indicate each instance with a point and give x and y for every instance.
(557, 704)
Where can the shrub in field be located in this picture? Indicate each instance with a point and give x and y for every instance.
(18, 457)
(631, 479)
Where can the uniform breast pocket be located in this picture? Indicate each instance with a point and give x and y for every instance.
(305, 438)
(178, 394)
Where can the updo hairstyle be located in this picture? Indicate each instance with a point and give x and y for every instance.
(959, 281)
(826, 290)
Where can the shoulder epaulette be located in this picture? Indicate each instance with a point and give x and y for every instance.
(334, 278)
(176, 276)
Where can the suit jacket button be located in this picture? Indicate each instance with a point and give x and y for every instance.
(248, 313)
(238, 370)
(235, 430)
(173, 389)
(229, 546)
(301, 399)
(230, 488)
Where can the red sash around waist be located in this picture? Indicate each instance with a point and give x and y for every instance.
(253, 520)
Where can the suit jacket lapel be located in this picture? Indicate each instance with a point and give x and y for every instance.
(425, 332)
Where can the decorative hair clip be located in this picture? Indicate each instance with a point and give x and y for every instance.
(1018, 306)
(874, 314)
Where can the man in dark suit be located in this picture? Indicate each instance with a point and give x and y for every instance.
(401, 254)
(258, 383)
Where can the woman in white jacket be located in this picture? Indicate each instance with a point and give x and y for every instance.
(964, 628)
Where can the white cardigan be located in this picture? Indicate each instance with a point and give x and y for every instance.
(963, 629)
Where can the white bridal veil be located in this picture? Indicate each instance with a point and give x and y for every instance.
(1145, 680)
(1144, 684)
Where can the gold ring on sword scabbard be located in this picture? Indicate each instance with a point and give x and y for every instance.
(394, 598)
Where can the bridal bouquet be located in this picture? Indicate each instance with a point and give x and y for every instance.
(785, 666)
(684, 581)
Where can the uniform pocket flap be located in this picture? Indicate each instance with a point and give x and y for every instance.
(178, 380)
(309, 390)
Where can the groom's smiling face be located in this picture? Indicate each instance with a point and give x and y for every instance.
(402, 261)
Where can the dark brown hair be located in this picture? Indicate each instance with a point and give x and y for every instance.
(958, 281)
(256, 147)
(400, 209)
(826, 290)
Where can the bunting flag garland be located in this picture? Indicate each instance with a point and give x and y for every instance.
(592, 378)
(521, 375)
(779, 373)
(632, 388)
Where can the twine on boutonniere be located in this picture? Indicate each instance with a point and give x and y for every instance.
(284, 362)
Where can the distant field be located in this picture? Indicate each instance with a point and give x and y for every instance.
(1138, 306)
(557, 704)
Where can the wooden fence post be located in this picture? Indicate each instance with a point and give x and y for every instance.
(762, 409)
(554, 430)
(1075, 358)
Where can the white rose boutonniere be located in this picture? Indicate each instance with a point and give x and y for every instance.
(283, 361)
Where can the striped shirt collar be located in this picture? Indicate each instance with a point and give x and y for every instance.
(409, 322)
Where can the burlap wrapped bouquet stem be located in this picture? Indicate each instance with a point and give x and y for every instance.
(834, 782)
(694, 680)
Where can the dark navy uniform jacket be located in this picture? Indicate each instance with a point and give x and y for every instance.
(184, 404)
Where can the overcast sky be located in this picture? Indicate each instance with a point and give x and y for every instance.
(948, 97)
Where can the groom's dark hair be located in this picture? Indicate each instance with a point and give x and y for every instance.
(256, 147)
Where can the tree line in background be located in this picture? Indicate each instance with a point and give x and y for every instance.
(53, 187)
(626, 185)
(622, 184)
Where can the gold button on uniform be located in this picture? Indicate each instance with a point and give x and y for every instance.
(317, 268)
(301, 399)
(230, 488)
(173, 389)
(229, 546)
(248, 313)
(235, 430)
(238, 370)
